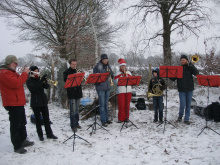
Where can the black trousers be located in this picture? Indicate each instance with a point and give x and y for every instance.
(45, 113)
(18, 121)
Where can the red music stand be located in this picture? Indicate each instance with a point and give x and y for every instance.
(93, 79)
(128, 81)
(210, 81)
(170, 72)
(97, 78)
(74, 80)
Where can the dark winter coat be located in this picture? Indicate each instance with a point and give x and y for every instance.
(102, 68)
(73, 92)
(186, 83)
(11, 87)
(156, 80)
(36, 87)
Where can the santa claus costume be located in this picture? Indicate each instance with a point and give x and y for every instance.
(123, 92)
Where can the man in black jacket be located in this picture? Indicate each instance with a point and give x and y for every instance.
(157, 100)
(74, 94)
(185, 87)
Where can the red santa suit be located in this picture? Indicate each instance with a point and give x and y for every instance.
(123, 94)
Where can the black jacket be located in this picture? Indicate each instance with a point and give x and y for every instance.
(73, 92)
(186, 83)
(36, 87)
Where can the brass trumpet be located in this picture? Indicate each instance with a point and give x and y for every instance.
(51, 82)
(110, 77)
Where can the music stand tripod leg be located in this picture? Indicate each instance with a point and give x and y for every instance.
(74, 135)
(94, 124)
(165, 119)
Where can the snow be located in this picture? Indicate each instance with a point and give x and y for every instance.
(131, 146)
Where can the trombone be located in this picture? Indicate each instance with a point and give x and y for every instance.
(195, 58)
(51, 82)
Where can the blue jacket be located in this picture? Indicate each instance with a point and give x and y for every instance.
(102, 68)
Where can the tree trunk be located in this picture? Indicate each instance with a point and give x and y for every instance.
(94, 31)
(166, 36)
(52, 74)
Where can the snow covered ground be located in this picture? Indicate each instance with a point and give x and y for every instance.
(131, 146)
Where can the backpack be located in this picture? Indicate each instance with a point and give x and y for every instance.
(140, 104)
(216, 111)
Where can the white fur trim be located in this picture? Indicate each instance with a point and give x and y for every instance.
(122, 64)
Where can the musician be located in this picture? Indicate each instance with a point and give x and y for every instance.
(13, 100)
(74, 94)
(157, 100)
(36, 86)
(103, 89)
(185, 87)
(123, 93)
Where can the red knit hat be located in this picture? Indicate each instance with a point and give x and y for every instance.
(121, 62)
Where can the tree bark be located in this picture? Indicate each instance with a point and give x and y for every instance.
(94, 32)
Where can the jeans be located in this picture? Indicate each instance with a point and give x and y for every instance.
(45, 113)
(103, 105)
(158, 104)
(17, 125)
(185, 102)
(74, 112)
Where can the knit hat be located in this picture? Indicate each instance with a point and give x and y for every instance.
(33, 68)
(10, 58)
(121, 62)
(104, 56)
(156, 70)
(183, 56)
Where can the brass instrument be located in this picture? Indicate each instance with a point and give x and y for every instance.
(195, 58)
(51, 82)
(155, 89)
(78, 71)
(110, 77)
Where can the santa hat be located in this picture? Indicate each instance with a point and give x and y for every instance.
(121, 62)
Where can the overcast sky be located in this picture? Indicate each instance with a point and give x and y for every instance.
(192, 45)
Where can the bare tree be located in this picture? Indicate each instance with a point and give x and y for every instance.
(181, 17)
(53, 24)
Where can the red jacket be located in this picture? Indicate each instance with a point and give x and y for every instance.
(11, 86)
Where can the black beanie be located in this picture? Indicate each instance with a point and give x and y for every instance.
(104, 56)
(33, 68)
(183, 56)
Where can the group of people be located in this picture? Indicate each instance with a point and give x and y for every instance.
(13, 100)
(13, 96)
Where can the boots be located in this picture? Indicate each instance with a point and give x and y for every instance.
(52, 136)
(20, 150)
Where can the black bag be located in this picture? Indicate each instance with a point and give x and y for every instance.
(216, 111)
(199, 110)
(208, 112)
(140, 104)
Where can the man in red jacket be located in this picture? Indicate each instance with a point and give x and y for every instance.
(13, 100)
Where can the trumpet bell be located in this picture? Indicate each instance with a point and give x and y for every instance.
(195, 58)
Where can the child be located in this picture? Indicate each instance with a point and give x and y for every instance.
(157, 100)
